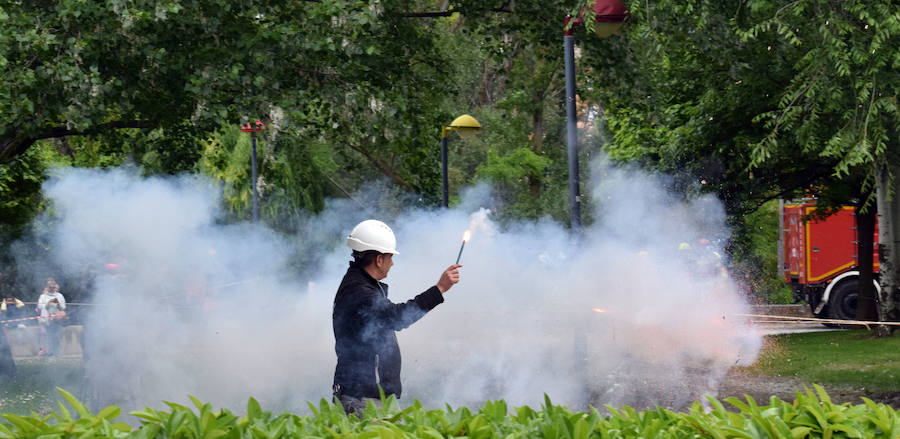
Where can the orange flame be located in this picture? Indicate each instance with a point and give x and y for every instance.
(466, 236)
(600, 310)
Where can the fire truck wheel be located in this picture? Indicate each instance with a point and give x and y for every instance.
(843, 303)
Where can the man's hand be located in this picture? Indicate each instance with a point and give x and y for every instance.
(449, 277)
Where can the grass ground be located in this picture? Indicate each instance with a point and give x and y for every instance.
(34, 388)
(841, 358)
(851, 359)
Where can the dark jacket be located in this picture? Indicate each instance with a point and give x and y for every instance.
(365, 322)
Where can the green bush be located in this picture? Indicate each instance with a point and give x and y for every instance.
(754, 254)
(812, 414)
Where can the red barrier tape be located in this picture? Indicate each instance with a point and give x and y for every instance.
(28, 318)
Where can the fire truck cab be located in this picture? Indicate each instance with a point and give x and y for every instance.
(820, 259)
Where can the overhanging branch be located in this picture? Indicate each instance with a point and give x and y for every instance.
(385, 169)
(96, 129)
(16, 144)
(448, 13)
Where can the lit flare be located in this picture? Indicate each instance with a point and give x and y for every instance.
(466, 237)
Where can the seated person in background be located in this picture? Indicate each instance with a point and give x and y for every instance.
(12, 309)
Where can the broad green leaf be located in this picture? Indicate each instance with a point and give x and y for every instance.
(800, 432)
(64, 412)
(197, 403)
(26, 425)
(5, 432)
(582, 429)
(214, 434)
(77, 405)
(109, 412)
(253, 409)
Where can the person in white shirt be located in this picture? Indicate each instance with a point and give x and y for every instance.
(51, 306)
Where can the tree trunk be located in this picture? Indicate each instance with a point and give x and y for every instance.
(64, 148)
(537, 122)
(537, 139)
(889, 213)
(486, 82)
(865, 236)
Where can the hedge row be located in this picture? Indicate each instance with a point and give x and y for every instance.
(811, 414)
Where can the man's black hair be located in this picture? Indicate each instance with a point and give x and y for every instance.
(365, 258)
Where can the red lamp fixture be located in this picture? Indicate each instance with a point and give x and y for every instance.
(252, 128)
(608, 18)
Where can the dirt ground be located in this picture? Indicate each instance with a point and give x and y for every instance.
(738, 383)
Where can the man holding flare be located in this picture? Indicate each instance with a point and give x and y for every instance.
(365, 321)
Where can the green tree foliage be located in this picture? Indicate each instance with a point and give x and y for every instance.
(226, 158)
(679, 89)
(293, 177)
(841, 105)
(366, 79)
(683, 91)
(841, 101)
(91, 67)
(20, 188)
(358, 75)
(519, 91)
(754, 100)
(754, 247)
(513, 172)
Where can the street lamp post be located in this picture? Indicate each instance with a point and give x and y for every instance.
(253, 129)
(466, 126)
(608, 18)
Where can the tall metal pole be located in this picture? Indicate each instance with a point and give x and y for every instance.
(444, 185)
(781, 267)
(572, 132)
(253, 176)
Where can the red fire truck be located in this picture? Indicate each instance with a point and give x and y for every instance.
(820, 259)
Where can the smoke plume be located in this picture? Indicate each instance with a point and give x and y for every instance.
(184, 304)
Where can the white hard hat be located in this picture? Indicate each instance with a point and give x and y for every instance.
(372, 235)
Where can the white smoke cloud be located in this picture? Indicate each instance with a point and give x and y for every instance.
(222, 312)
(521, 322)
